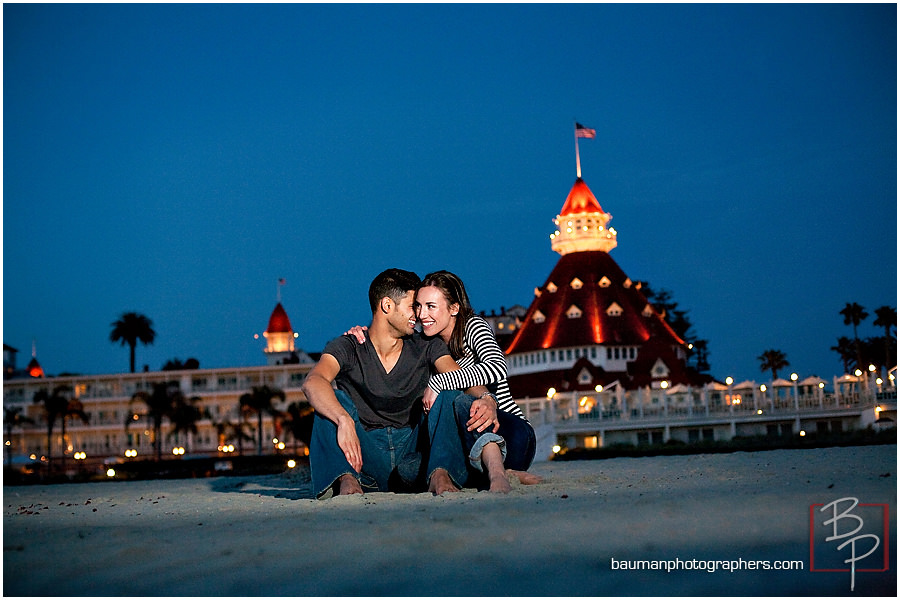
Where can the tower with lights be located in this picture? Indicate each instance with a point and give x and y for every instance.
(589, 324)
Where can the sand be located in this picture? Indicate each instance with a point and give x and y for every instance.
(266, 536)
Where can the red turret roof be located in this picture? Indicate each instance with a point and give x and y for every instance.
(580, 200)
(279, 322)
(634, 324)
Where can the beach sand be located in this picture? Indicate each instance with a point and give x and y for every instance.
(266, 536)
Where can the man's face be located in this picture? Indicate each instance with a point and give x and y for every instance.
(403, 317)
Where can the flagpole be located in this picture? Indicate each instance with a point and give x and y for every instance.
(577, 157)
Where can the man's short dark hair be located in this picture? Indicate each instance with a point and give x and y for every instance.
(393, 284)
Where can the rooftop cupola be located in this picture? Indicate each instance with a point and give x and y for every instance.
(581, 225)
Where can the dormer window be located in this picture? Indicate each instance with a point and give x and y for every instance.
(537, 292)
(551, 287)
(574, 312)
(614, 310)
(648, 311)
(584, 377)
(660, 369)
(627, 283)
(538, 317)
(604, 282)
(576, 284)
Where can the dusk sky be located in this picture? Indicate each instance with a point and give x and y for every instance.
(177, 160)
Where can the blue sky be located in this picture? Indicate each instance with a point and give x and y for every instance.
(177, 160)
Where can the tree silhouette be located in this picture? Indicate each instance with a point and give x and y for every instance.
(772, 360)
(185, 414)
(74, 409)
(259, 400)
(854, 314)
(160, 404)
(12, 418)
(887, 318)
(298, 421)
(130, 329)
(846, 350)
(55, 404)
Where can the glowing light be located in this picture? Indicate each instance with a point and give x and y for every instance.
(763, 388)
(550, 393)
(291, 464)
(821, 384)
(878, 409)
(729, 380)
(879, 381)
(178, 451)
(857, 372)
(110, 472)
(79, 455)
(802, 434)
(664, 384)
(131, 453)
(598, 388)
(871, 368)
(759, 411)
(794, 377)
(556, 449)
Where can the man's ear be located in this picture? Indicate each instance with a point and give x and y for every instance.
(386, 305)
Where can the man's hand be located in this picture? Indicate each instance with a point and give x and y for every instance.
(349, 442)
(357, 331)
(483, 414)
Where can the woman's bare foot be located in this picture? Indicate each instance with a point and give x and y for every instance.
(492, 457)
(440, 482)
(526, 478)
(349, 485)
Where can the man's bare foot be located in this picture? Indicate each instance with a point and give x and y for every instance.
(440, 482)
(526, 478)
(349, 485)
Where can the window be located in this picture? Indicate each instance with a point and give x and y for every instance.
(576, 284)
(574, 312)
(538, 317)
(627, 283)
(604, 282)
(537, 292)
(614, 310)
(551, 287)
(648, 311)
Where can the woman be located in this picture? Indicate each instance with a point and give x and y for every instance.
(508, 447)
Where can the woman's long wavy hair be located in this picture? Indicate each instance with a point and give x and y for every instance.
(455, 293)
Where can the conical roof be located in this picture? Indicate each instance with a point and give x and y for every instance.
(588, 300)
(580, 200)
(279, 322)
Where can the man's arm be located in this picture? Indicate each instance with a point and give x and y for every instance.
(484, 409)
(318, 390)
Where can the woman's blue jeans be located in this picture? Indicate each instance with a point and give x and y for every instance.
(459, 451)
(383, 451)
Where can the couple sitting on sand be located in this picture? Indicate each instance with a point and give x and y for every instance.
(401, 410)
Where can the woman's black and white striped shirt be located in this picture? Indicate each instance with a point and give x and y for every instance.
(482, 364)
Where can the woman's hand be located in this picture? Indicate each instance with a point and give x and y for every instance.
(483, 414)
(428, 398)
(358, 332)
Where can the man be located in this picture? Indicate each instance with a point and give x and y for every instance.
(365, 432)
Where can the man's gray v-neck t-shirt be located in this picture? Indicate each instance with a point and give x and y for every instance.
(385, 399)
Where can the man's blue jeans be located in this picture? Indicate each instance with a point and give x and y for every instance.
(459, 451)
(383, 451)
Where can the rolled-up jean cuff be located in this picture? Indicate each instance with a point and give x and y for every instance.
(480, 443)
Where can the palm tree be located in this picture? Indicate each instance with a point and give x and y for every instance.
(185, 415)
(160, 404)
(55, 405)
(130, 329)
(845, 350)
(12, 418)
(772, 360)
(74, 408)
(854, 314)
(259, 400)
(887, 318)
(298, 422)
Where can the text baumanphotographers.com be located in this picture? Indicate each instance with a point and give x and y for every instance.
(710, 566)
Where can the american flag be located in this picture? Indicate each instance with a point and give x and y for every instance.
(583, 132)
(281, 281)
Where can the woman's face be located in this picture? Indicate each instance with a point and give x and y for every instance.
(438, 317)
